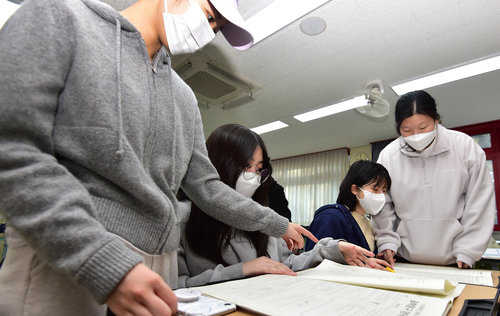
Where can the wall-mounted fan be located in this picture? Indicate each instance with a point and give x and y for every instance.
(376, 105)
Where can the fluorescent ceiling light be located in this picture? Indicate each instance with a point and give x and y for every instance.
(457, 73)
(269, 127)
(332, 109)
(279, 14)
(7, 8)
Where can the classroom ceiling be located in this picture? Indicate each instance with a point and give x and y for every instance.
(364, 40)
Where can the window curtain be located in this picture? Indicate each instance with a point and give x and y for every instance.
(311, 181)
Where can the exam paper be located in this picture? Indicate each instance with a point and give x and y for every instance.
(469, 276)
(335, 272)
(287, 295)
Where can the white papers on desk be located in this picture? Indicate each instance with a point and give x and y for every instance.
(289, 296)
(361, 276)
(492, 253)
(468, 276)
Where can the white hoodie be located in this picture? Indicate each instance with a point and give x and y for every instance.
(440, 208)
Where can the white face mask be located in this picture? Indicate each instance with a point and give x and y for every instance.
(372, 203)
(188, 32)
(420, 141)
(247, 187)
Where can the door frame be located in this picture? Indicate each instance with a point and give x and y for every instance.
(493, 153)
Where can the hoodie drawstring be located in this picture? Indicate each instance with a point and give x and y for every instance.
(119, 152)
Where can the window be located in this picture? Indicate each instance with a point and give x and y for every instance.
(483, 140)
(311, 181)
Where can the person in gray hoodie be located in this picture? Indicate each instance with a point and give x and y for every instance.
(97, 136)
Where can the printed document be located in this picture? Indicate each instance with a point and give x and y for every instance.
(468, 276)
(289, 296)
(399, 281)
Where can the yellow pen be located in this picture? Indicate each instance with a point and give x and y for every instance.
(389, 269)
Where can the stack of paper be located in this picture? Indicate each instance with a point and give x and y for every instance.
(468, 276)
(335, 272)
(278, 295)
(335, 289)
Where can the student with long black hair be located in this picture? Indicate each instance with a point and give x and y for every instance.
(212, 251)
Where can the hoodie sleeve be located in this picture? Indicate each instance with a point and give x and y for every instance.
(204, 188)
(41, 200)
(478, 215)
(214, 273)
(383, 222)
(326, 248)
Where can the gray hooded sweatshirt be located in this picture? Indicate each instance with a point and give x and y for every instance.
(196, 270)
(96, 140)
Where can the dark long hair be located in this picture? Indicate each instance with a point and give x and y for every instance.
(415, 102)
(360, 173)
(230, 148)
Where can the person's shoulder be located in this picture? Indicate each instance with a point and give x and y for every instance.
(67, 5)
(49, 5)
(334, 210)
(62, 12)
(391, 150)
(462, 141)
(276, 186)
(458, 136)
(330, 216)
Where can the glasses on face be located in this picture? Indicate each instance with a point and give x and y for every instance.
(249, 175)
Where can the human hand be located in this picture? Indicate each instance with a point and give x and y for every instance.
(387, 255)
(293, 236)
(264, 265)
(142, 292)
(377, 263)
(462, 265)
(359, 256)
(354, 255)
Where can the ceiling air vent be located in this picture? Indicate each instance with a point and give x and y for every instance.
(213, 85)
(209, 86)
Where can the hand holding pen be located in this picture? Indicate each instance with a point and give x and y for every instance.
(387, 255)
(358, 256)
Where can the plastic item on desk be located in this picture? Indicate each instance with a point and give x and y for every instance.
(492, 253)
(481, 307)
(205, 306)
(187, 295)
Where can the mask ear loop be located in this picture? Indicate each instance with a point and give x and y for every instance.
(356, 195)
(364, 192)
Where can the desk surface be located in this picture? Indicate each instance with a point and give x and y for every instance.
(474, 292)
(470, 292)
